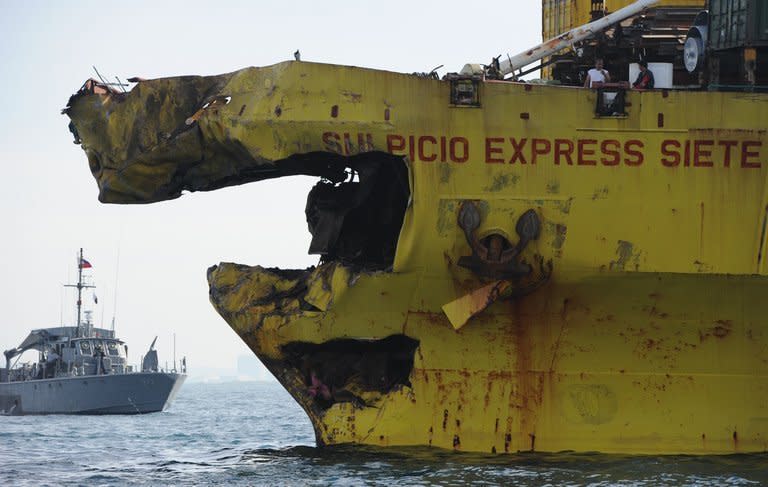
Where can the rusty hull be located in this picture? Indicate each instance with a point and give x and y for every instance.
(634, 321)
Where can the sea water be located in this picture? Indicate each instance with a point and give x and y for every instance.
(253, 433)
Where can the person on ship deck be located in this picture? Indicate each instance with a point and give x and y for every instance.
(645, 79)
(597, 75)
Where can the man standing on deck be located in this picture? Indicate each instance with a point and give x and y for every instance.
(645, 79)
(597, 75)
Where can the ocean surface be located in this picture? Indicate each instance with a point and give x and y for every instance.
(253, 433)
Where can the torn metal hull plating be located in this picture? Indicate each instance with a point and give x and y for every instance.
(627, 363)
(514, 275)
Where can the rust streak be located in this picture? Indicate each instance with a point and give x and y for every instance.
(701, 229)
(762, 240)
(558, 340)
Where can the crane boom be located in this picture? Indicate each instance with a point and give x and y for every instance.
(567, 39)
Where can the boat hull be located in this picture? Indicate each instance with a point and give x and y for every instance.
(635, 322)
(631, 363)
(137, 393)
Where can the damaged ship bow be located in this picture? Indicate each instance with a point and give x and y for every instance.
(504, 275)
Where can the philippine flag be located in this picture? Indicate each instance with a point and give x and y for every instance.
(84, 264)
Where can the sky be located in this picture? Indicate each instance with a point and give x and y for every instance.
(150, 261)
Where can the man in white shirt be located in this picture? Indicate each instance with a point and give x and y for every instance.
(597, 75)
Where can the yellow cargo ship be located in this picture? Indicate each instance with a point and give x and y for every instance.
(504, 266)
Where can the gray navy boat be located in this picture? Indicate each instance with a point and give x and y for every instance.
(83, 370)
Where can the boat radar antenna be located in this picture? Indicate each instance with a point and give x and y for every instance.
(81, 263)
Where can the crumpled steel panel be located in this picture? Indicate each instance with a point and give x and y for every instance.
(140, 146)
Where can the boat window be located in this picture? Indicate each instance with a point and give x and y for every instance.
(112, 347)
(85, 347)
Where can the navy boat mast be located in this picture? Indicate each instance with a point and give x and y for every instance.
(80, 286)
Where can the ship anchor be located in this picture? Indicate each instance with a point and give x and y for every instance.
(494, 257)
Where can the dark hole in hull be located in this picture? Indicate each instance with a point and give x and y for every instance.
(357, 220)
(332, 370)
